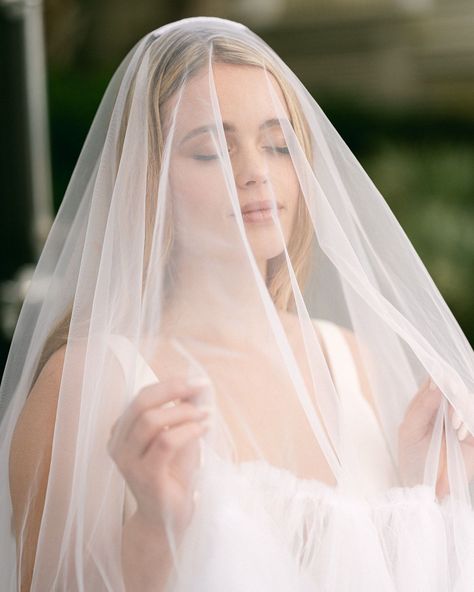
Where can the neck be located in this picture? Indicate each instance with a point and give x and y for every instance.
(215, 299)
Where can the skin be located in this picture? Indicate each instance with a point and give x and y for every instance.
(415, 436)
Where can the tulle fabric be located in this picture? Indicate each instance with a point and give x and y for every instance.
(154, 271)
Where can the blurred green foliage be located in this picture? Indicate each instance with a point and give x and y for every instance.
(421, 161)
(430, 189)
(423, 164)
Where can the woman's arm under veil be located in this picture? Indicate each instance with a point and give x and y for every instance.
(146, 556)
(30, 457)
(416, 430)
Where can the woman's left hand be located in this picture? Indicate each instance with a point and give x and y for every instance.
(414, 437)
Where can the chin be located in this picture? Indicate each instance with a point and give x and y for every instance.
(268, 254)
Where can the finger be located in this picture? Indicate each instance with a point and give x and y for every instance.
(428, 396)
(429, 385)
(168, 443)
(454, 417)
(159, 394)
(148, 424)
(423, 408)
(188, 458)
(469, 441)
(462, 431)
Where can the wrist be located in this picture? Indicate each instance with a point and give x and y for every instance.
(146, 557)
(139, 531)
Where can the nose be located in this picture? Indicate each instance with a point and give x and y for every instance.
(250, 169)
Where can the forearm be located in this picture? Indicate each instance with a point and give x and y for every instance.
(146, 557)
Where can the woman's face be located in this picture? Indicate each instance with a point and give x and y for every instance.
(260, 164)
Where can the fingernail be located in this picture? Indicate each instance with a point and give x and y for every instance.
(198, 381)
(455, 420)
(168, 404)
(462, 433)
(432, 386)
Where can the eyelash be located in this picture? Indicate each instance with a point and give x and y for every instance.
(207, 157)
(279, 149)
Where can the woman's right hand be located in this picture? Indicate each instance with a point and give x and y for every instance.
(155, 445)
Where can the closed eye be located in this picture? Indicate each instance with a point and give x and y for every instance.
(205, 156)
(278, 149)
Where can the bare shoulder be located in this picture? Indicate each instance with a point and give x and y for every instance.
(32, 437)
(34, 428)
(30, 454)
(40, 406)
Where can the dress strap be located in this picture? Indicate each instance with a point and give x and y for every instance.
(125, 350)
(342, 363)
(366, 461)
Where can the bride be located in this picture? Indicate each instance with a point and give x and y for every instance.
(232, 371)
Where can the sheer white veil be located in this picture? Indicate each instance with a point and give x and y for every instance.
(190, 244)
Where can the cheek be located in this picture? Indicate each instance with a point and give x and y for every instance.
(195, 186)
(292, 189)
(289, 193)
(286, 185)
(201, 207)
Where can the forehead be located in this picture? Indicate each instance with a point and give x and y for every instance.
(246, 88)
(246, 97)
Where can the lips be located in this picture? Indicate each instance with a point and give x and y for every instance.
(255, 206)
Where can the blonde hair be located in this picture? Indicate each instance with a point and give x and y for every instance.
(174, 57)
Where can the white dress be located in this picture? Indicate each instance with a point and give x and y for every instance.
(365, 535)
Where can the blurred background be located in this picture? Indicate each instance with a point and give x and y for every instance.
(396, 78)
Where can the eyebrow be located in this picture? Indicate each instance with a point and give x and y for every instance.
(269, 123)
(274, 122)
